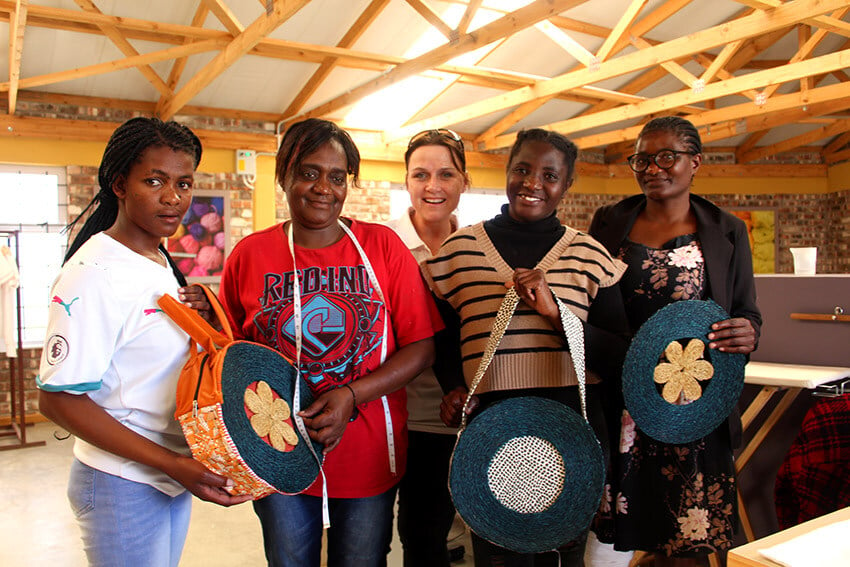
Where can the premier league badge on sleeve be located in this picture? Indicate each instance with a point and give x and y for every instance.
(56, 350)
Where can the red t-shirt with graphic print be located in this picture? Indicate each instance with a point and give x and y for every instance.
(342, 329)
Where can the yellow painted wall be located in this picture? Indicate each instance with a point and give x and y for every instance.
(264, 193)
(839, 177)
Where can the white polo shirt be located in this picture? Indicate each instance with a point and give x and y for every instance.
(424, 393)
(106, 337)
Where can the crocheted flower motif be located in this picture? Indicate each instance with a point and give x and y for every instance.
(688, 256)
(682, 370)
(271, 415)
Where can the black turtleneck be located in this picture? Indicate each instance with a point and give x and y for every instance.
(523, 244)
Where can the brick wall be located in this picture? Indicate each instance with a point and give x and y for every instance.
(70, 111)
(29, 360)
(820, 220)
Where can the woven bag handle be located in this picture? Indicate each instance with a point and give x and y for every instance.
(573, 330)
(188, 319)
(503, 317)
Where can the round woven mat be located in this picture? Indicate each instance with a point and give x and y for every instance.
(527, 474)
(246, 363)
(661, 420)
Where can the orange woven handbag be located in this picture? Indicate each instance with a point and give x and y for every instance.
(235, 404)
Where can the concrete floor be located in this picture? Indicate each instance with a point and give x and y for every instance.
(37, 527)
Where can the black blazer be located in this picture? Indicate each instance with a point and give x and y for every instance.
(725, 248)
(728, 261)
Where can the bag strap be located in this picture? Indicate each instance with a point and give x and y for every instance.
(188, 319)
(573, 330)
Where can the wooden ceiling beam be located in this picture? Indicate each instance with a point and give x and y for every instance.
(566, 42)
(563, 22)
(125, 47)
(724, 75)
(741, 118)
(837, 127)
(836, 144)
(571, 24)
(224, 15)
(836, 157)
(510, 119)
(808, 47)
(431, 17)
(179, 64)
(751, 142)
(273, 48)
(17, 27)
(828, 23)
(61, 15)
(468, 14)
(686, 77)
(117, 65)
(625, 22)
(168, 106)
(372, 11)
(502, 27)
(759, 79)
(643, 80)
(749, 26)
(650, 22)
(143, 106)
(448, 84)
(97, 131)
(719, 62)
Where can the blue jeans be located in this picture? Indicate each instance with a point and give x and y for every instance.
(359, 536)
(127, 523)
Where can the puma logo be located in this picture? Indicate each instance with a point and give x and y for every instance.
(152, 311)
(67, 306)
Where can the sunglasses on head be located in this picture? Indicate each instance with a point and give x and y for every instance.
(442, 136)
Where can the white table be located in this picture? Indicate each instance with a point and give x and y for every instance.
(773, 378)
(748, 555)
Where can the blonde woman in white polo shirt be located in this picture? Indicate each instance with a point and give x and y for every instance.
(436, 177)
(111, 361)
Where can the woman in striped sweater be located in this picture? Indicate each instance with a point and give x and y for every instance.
(527, 247)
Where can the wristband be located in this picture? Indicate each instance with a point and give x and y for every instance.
(355, 412)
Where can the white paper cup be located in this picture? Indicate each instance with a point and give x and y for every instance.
(805, 259)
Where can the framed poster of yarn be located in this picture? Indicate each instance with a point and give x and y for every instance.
(761, 229)
(201, 243)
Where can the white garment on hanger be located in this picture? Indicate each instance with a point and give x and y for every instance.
(9, 280)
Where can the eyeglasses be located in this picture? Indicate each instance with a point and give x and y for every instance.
(442, 136)
(665, 159)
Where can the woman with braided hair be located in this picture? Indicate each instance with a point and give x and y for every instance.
(111, 361)
(676, 501)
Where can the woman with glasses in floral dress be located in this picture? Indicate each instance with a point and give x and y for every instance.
(676, 501)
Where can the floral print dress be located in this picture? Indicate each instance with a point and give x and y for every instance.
(679, 500)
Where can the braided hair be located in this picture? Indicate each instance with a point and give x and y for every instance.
(554, 139)
(124, 148)
(680, 127)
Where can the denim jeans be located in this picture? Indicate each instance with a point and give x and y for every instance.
(127, 523)
(359, 536)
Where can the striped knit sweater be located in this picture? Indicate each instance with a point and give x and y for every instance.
(469, 273)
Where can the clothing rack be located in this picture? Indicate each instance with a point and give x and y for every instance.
(17, 426)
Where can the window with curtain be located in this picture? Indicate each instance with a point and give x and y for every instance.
(34, 203)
